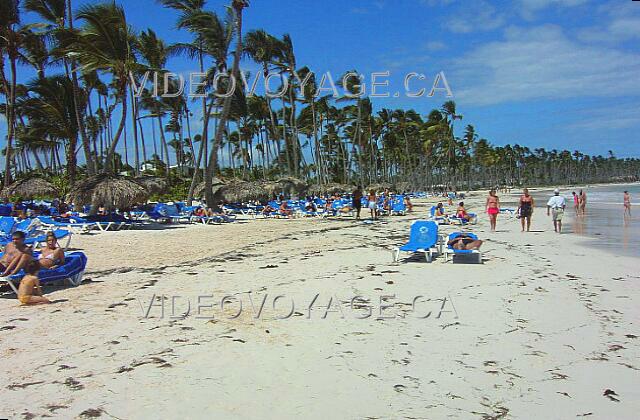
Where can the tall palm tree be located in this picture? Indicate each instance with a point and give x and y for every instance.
(212, 167)
(11, 38)
(105, 43)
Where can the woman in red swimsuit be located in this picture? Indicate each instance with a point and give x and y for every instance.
(492, 207)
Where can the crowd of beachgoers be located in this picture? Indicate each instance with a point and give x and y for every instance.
(32, 232)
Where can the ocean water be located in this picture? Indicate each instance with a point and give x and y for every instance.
(604, 221)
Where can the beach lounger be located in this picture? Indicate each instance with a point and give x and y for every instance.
(441, 220)
(449, 250)
(73, 226)
(423, 238)
(72, 270)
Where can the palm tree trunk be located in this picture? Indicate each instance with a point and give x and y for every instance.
(108, 166)
(212, 167)
(134, 114)
(91, 167)
(11, 100)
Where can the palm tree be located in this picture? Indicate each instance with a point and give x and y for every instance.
(105, 43)
(11, 38)
(212, 167)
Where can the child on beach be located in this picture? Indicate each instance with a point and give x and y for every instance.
(30, 292)
(372, 204)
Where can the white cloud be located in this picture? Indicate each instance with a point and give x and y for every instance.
(435, 46)
(616, 118)
(528, 8)
(475, 17)
(618, 24)
(542, 63)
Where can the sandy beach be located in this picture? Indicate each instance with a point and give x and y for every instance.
(545, 328)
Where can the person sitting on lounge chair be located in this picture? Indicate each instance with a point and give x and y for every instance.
(310, 205)
(440, 210)
(16, 255)
(200, 212)
(464, 242)
(408, 203)
(52, 255)
(30, 292)
(285, 210)
(267, 210)
(462, 214)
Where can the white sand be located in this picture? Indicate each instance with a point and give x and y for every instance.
(540, 330)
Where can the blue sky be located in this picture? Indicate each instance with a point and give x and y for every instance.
(561, 74)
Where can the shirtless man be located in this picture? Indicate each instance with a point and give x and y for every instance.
(30, 292)
(464, 242)
(357, 201)
(16, 255)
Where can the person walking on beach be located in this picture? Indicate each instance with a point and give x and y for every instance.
(576, 202)
(372, 204)
(525, 207)
(357, 201)
(492, 207)
(583, 202)
(627, 204)
(556, 206)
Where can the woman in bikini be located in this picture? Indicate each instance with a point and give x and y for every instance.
(52, 255)
(627, 204)
(462, 214)
(492, 207)
(526, 208)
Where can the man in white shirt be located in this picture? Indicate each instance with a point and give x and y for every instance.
(556, 205)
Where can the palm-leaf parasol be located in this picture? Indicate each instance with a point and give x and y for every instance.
(30, 188)
(109, 192)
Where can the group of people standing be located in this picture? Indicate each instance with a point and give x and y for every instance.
(556, 207)
(526, 205)
(580, 202)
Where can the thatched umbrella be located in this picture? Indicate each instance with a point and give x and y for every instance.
(30, 188)
(238, 191)
(403, 186)
(109, 192)
(153, 184)
(331, 189)
(380, 186)
(286, 185)
(216, 184)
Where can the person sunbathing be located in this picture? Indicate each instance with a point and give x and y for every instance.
(30, 292)
(464, 242)
(268, 209)
(462, 214)
(16, 255)
(408, 203)
(52, 255)
(285, 210)
(440, 210)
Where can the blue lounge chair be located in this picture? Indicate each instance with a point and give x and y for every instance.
(398, 207)
(7, 225)
(72, 270)
(423, 238)
(449, 250)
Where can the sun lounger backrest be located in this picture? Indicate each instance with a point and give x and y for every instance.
(7, 225)
(424, 232)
